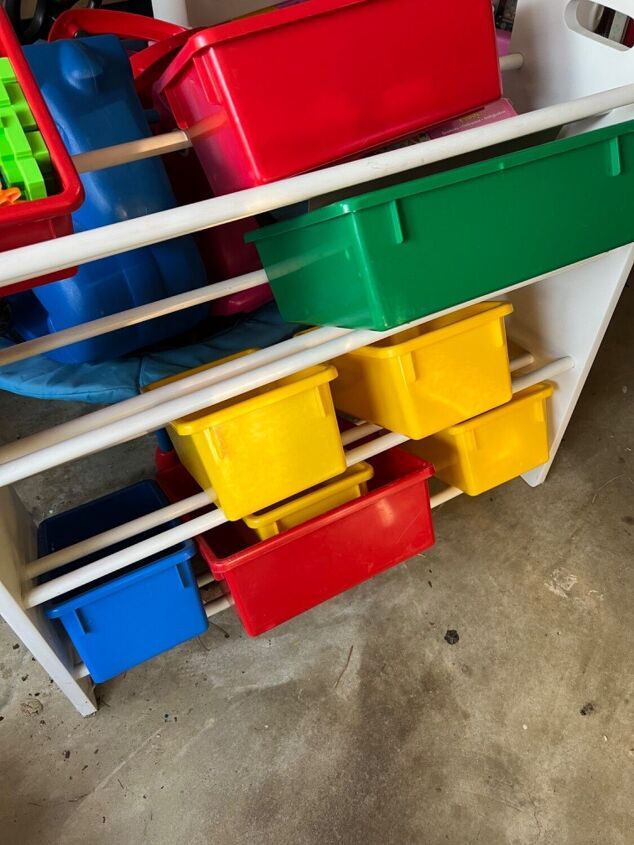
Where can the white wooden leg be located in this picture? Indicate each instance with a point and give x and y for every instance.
(17, 547)
(568, 314)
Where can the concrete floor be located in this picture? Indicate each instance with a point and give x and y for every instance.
(358, 723)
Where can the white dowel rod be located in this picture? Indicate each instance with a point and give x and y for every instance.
(131, 151)
(551, 370)
(35, 260)
(205, 580)
(217, 606)
(154, 417)
(178, 139)
(512, 61)
(126, 557)
(445, 495)
(521, 361)
(131, 317)
(358, 433)
(55, 560)
(374, 447)
(142, 403)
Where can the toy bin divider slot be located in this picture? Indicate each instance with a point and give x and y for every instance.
(127, 617)
(274, 580)
(388, 257)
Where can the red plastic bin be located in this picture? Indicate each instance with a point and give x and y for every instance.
(275, 580)
(31, 221)
(276, 94)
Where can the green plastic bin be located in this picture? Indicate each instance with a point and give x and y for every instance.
(390, 256)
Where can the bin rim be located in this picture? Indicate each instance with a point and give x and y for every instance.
(275, 392)
(357, 474)
(543, 390)
(425, 184)
(219, 34)
(421, 470)
(182, 553)
(464, 320)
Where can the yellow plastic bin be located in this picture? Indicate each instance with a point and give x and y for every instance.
(495, 447)
(326, 497)
(423, 380)
(263, 446)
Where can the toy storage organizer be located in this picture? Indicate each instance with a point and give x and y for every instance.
(562, 299)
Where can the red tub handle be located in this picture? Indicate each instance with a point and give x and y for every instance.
(147, 65)
(105, 22)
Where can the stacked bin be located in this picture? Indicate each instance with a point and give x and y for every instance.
(260, 448)
(274, 580)
(124, 619)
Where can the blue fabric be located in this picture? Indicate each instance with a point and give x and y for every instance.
(114, 381)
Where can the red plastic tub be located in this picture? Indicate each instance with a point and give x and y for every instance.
(32, 221)
(276, 94)
(274, 580)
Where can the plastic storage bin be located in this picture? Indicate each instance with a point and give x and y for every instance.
(89, 89)
(387, 257)
(274, 580)
(41, 219)
(263, 446)
(129, 617)
(327, 496)
(279, 93)
(425, 379)
(493, 448)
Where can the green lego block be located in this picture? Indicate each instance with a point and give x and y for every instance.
(26, 175)
(11, 96)
(40, 151)
(7, 74)
(25, 161)
(20, 106)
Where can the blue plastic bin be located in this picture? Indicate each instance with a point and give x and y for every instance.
(87, 84)
(128, 617)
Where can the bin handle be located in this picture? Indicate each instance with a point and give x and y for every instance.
(105, 22)
(148, 64)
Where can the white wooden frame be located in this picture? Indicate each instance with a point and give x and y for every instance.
(561, 317)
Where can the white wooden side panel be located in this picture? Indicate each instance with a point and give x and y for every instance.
(562, 61)
(17, 547)
(568, 314)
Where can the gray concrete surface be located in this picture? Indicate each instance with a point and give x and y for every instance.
(358, 723)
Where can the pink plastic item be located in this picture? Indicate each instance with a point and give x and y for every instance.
(494, 112)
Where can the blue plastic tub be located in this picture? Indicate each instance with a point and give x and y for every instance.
(88, 87)
(128, 617)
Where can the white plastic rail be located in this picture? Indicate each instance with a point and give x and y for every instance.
(145, 414)
(59, 254)
(131, 317)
